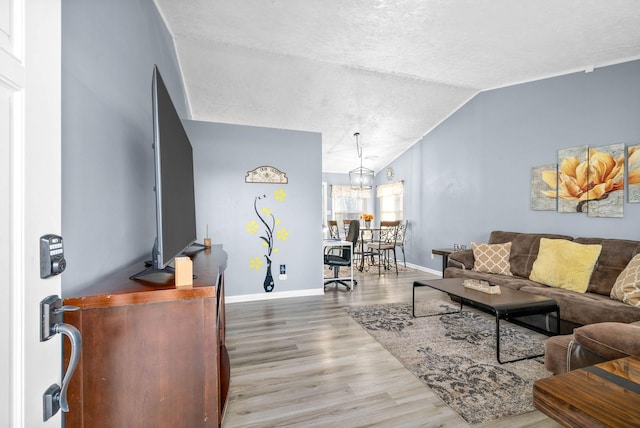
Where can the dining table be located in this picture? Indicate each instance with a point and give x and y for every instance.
(367, 234)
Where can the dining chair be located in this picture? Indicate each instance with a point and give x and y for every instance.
(345, 223)
(334, 230)
(344, 259)
(402, 233)
(385, 243)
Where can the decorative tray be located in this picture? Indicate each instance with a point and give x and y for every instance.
(483, 286)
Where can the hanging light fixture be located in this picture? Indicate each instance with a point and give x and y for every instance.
(360, 178)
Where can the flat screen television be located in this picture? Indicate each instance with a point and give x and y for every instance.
(174, 182)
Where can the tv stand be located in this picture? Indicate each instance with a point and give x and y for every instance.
(156, 352)
(150, 270)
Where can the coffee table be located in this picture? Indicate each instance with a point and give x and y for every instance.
(505, 306)
(604, 395)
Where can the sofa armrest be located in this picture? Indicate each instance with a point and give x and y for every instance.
(611, 340)
(579, 356)
(462, 259)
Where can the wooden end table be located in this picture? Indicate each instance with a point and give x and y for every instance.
(444, 252)
(604, 395)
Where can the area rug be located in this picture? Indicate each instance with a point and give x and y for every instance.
(454, 355)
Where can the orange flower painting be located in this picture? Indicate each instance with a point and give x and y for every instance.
(591, 183)
(633, 178)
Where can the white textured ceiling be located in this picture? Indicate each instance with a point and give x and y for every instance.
(391, 70)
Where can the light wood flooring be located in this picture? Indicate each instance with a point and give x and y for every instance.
(303, 362)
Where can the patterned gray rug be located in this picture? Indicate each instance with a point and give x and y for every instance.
(454, 355)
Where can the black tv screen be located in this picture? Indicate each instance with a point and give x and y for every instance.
(174, 190)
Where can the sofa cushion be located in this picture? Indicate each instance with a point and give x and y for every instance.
(492, 258)
(610, 339)
(586, 308)
(565, 264)
(614, 257)
(524, 248)
(627, 285)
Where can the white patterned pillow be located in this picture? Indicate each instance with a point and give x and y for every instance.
(627, 286)
(492, 258)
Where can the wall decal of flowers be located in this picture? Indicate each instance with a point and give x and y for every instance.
(272, 232)
(587, 180)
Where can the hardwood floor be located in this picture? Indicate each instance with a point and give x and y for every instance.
(304, 362)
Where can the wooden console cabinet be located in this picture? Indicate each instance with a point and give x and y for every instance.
(152, 355)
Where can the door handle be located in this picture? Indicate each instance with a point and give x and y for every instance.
(51, 314)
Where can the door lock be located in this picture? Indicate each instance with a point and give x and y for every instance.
(52, 260)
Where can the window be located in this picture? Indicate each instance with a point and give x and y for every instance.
(348, 203)
(390, 200)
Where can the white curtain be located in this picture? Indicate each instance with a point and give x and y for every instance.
(391, 189)
(341, 191)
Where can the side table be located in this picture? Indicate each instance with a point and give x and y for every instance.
(444, 252)
(604, 395)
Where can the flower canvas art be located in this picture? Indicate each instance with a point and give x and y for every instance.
(633, 177)
(572, 179)
(605, 185)
(544, 182)
(589, 180)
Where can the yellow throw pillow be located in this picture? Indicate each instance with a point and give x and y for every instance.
(565, 264)
(627, 286)
(492, 258)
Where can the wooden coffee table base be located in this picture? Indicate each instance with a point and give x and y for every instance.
(604, 395)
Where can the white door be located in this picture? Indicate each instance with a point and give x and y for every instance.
(30, 202)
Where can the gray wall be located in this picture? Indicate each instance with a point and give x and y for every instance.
(471, 175)
(223, 154)
(467, 177)
(108, 212)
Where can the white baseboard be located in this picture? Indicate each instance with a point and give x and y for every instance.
(274, 295)
(424, 269)
(307, 292)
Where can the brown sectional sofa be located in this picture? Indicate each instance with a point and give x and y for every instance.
(576, 309)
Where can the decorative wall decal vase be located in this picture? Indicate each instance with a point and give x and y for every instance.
(268, 280)
(268, 220)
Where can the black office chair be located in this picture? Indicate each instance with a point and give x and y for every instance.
(344, 258)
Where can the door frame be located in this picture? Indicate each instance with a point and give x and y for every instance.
(30, 73)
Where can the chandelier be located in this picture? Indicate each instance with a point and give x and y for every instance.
(360, 178)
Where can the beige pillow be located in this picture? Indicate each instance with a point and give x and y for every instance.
(492, 258)
(627, 286)
(565, 264)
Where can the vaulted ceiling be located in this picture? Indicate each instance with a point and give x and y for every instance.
(389, 69)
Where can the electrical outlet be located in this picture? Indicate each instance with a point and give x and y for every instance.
(433, 256)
